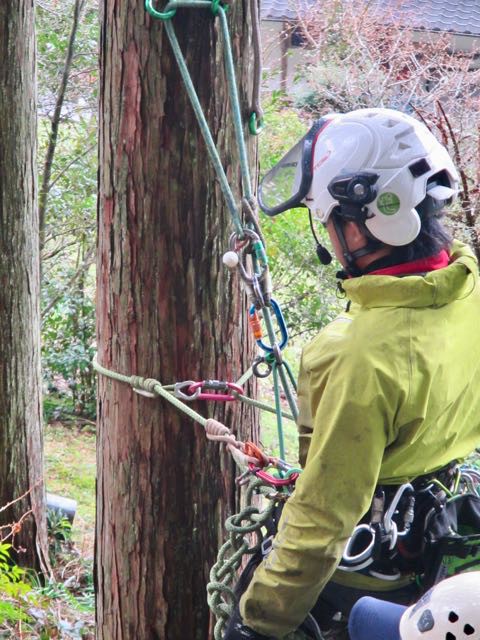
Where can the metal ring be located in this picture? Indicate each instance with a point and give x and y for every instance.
(257, 372)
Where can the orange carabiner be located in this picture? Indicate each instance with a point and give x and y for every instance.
(255, 452)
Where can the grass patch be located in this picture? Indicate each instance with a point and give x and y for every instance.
(70, 462)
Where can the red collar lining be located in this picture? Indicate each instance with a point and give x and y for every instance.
(423, 265)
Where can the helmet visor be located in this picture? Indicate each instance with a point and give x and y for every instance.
(286, 185)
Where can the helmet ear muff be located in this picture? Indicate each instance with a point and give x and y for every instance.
(439, 194)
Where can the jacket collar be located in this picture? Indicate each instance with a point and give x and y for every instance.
(436, 288)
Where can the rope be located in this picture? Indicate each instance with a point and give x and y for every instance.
(248, 201)
(223, 574)
(214, 430)
(235, 104)
(256, 116)
(203, 124)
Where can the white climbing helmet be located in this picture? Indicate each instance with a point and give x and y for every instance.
(448, 611)
(381, 160)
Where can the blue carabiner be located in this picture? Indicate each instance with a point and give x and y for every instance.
(281, 323)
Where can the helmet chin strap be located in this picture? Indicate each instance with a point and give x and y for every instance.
(351, 257)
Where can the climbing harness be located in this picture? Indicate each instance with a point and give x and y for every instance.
(403, 531)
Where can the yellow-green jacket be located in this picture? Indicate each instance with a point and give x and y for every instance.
(388, 391)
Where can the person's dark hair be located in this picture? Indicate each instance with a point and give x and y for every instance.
(433, 237)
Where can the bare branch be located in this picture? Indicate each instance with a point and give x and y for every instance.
(52, 144)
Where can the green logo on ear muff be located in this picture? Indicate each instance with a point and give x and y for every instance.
(388, 203)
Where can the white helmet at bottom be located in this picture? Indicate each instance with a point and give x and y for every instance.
(448, 611)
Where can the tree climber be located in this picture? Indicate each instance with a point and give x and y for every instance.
(389, 392)
(451, 609)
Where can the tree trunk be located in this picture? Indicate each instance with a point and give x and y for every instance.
(21, 447)
(167, 310)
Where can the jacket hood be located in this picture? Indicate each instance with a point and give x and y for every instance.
(434, 289)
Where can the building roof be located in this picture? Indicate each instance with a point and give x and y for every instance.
(461, 16)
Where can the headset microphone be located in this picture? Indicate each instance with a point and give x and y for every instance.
(323, 254)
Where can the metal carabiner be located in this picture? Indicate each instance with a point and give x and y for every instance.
(178, 391)
(215, 385)
(240, 245)
(281, 323)
(389, 524)
(365, 534)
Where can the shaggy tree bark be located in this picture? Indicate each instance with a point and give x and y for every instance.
(167, 310)
(21, 447)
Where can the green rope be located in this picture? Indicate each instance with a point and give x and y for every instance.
(219, 10)
(223, 575)
(267, 316)
(264, 406)
(245, 377)
(235, 104)
(204, 128)
(257, 403)
(276, 391)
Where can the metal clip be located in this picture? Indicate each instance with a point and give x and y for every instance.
(389, 524)
(253, 282)
(215, 385)
(266, 546)
(178, 391)
(283, 331)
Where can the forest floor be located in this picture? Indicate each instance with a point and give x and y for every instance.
(63, 609)
(70, 473)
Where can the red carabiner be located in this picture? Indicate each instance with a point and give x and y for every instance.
(263, 461)
(215, 384)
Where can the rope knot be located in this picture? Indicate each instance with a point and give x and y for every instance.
(149, 384)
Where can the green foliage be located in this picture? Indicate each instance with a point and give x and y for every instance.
(34, 610)
(13, 588)
(68, 348)
(59, 532)
(306, 289)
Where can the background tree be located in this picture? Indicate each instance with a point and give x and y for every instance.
(21, 454)
(167, 310)
(68, 51)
